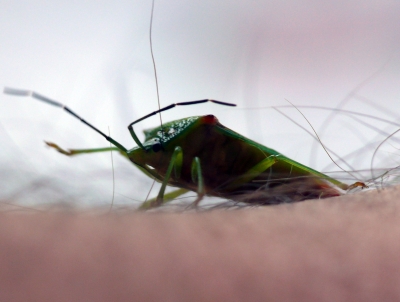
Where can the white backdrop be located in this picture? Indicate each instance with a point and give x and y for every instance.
(94, 56)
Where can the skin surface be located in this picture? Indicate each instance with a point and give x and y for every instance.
(344, 248)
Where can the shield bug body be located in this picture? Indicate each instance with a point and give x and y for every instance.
(200, 154)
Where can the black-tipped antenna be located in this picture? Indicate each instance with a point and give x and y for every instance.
(181, 104)
(130, 126)
(30, 93)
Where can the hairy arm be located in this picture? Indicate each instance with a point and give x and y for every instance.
(335, 249)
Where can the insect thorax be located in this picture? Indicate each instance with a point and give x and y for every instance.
(169, 130)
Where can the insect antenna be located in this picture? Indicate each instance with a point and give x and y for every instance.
(130, 126)
(30, 93)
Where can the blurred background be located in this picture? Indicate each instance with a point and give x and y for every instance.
(94, 56)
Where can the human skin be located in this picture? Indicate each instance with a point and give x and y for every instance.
(345, 249)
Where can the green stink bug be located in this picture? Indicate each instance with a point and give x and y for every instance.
(200, 154)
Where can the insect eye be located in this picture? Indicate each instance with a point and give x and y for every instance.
(156, 147)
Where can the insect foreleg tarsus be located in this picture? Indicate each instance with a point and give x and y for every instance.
(71, 152)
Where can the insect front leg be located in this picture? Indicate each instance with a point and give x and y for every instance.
(197, 176)
(176, 164)
(71, 152)
(253, 172)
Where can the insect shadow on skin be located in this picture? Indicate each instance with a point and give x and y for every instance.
(200, 154)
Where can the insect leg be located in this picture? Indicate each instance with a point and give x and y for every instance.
(333, 181)
(176, 164)
(197, 176)
(71, 152)
(356, 185)
(254, 171)
(166, 198)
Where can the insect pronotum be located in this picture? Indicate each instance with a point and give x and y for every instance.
(199, 154)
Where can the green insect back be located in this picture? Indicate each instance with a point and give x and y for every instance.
(169, 130)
